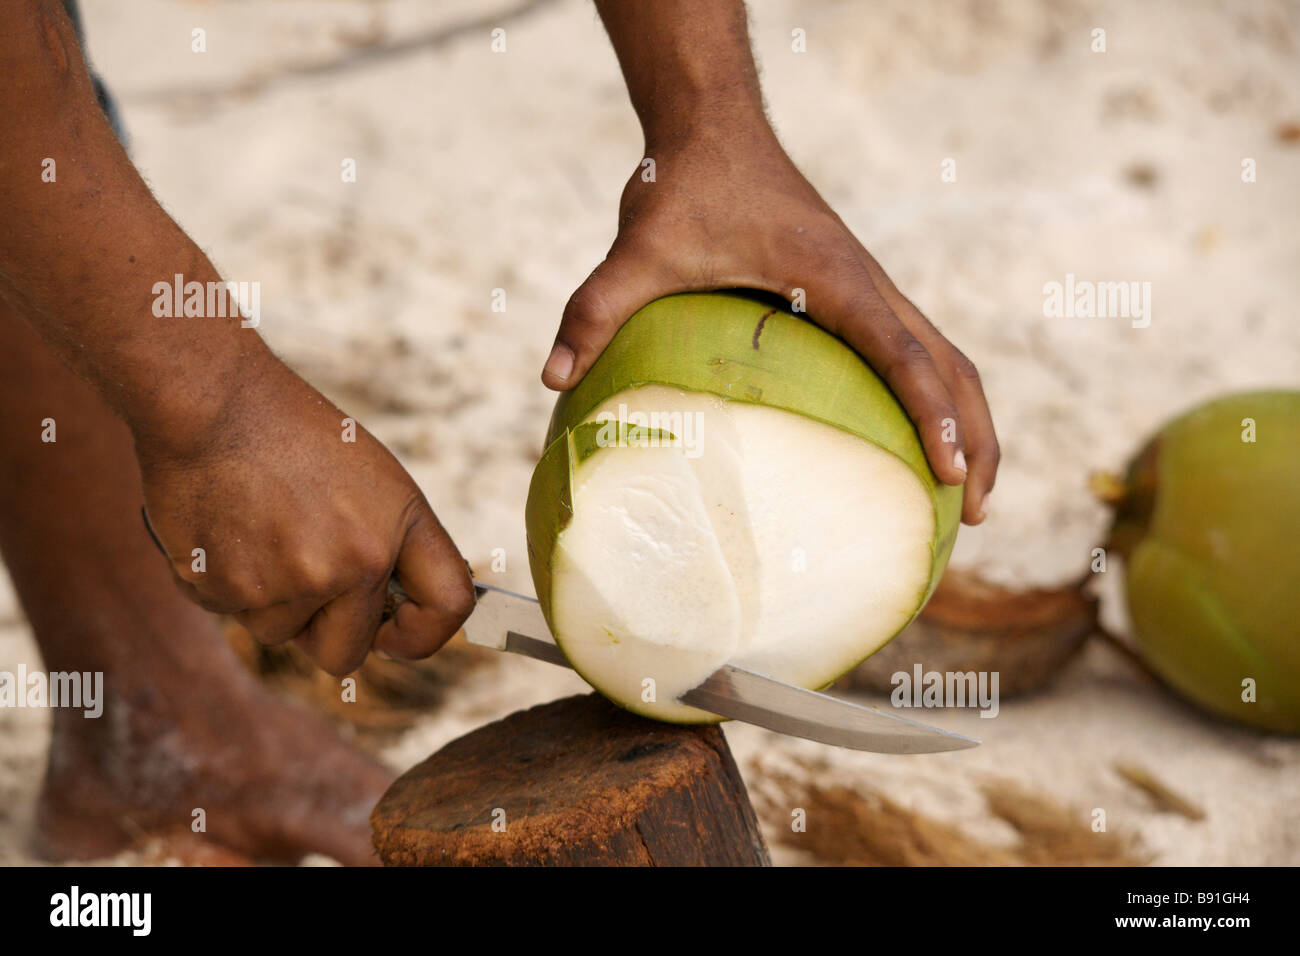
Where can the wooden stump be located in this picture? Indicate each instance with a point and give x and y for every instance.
(576, 782)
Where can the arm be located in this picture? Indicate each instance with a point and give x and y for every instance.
(79, 255)
(722, 213)
(239, 456)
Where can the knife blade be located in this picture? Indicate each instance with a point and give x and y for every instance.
(506, 621)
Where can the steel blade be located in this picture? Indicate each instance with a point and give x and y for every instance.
(536, 648)
(744, 695)
(499, 613)
(506, 621)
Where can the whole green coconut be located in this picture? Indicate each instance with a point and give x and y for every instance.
(1209, 524)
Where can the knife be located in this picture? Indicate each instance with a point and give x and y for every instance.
(501, 619)
(505, 621)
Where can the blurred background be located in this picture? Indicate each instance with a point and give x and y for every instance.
(478, 171)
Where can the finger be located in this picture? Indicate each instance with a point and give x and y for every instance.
(440, 592)
(980, 441)
(214, 593)
(852, 309)
(186, 579)
(617, 287)
(340, 633)
(209, 603)
(982, 450)
(281, 622)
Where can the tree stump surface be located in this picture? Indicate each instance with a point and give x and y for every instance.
(571, 783)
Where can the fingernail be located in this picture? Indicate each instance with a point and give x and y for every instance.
(984, 506)
(382, 655)
(560, 364)
(959, 461)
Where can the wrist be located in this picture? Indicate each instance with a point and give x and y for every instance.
(700, 104)
(190, 405)
(719, 126)
(688, 67)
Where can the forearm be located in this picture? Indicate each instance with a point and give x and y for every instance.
(688, 66)
(80, 255)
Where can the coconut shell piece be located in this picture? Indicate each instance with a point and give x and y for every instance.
(972, 625)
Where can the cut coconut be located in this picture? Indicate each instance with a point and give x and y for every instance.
(746, 553)
(645, 592)
(729, 484)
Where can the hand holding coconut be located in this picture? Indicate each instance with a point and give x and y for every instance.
(723, 207)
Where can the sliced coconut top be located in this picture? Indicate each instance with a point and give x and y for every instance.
(711, 532)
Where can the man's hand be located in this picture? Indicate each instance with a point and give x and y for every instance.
(727, 208)
(300, 529)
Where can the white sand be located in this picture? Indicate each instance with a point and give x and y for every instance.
(479, 171)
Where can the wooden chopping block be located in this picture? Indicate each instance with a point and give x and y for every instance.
(576, 782)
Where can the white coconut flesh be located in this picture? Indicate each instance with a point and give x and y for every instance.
(755, 537)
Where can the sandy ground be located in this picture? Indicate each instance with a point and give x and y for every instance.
(479, 171)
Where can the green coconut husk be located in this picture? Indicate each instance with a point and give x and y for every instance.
(1209, 525)
(742, 348)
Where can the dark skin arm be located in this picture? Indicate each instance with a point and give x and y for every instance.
(241, 457)
(729, 209)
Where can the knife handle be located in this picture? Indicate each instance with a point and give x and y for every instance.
(394, 599)
(397, 596)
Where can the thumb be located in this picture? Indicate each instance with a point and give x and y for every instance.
(437, 583)
(615, 289)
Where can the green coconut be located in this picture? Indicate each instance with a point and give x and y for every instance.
(730, 484)
(1208, 521)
